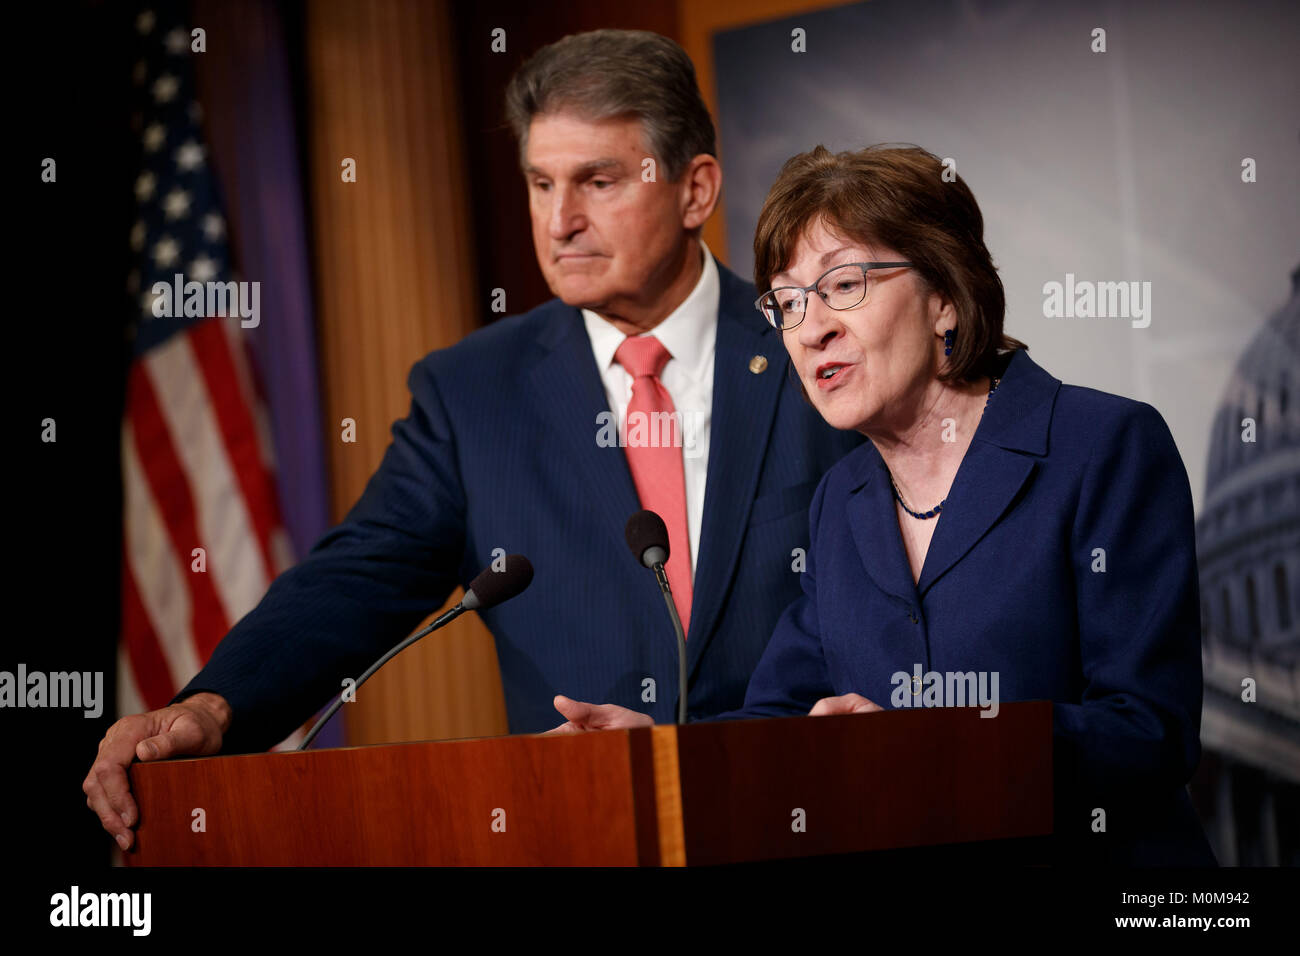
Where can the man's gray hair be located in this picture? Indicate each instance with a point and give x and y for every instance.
(613, 73)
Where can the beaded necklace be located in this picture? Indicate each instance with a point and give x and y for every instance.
(934, 512)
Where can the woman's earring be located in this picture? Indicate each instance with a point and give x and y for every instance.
(947, 342)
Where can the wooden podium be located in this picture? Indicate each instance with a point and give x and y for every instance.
(708, 793)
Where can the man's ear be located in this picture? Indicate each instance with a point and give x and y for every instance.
(701, 186)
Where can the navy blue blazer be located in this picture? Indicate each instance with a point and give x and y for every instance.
(1013, 583)
(500, 451)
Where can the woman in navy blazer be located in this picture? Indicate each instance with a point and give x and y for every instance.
(997, 521)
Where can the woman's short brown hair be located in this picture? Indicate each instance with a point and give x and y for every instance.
(895, 196)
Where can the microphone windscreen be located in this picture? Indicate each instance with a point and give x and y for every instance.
(491, 587)
(646, 530)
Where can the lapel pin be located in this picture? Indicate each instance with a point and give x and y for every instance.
(757, 364)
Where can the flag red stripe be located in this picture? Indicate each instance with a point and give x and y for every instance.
(238, 433)
(148, 663)
(171, 493)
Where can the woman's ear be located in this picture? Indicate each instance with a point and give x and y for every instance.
(943, 312)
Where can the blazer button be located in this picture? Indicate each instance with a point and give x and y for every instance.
(911, 616)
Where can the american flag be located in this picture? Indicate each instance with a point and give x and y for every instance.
(197, 460)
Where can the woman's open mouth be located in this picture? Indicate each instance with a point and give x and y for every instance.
(831, 374)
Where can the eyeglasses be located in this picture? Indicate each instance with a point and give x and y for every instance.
(842, 287)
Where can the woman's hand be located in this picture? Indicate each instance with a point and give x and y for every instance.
(847, 704)
(583, 716)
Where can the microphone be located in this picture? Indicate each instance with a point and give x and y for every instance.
(647, 537)
(489, 589)
(493, 587)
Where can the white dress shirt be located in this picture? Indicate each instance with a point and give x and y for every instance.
(690, 335)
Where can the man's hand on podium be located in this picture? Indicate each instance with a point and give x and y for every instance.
(847, 704)
(195, 726)
(583, 717)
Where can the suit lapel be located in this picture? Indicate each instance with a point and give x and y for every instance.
(744, 407)
(992, 474)
(987, 482)
(570, 393)
(568, 388)
(999, 463)
(874, 526)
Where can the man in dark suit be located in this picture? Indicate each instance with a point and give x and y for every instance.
(650, 381)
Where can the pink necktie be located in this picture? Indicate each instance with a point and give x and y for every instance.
(654, 455)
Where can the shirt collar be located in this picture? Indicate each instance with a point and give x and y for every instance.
(689, 333)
